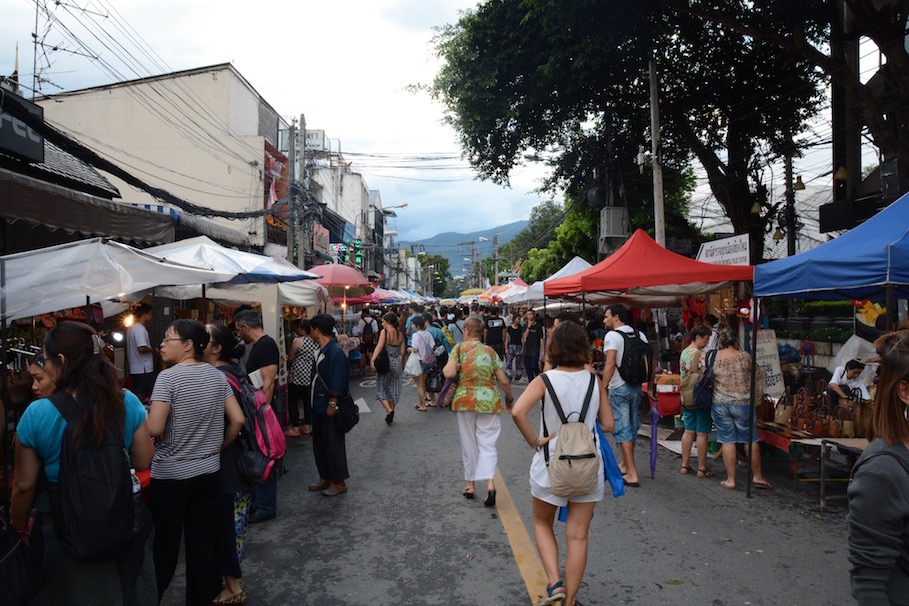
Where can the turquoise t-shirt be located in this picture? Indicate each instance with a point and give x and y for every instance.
(41, 428)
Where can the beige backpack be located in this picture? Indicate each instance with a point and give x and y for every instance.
(574, 467)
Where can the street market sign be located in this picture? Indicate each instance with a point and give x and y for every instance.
(768, 358)
(735, 250)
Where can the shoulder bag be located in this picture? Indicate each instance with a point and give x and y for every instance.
(703, 389)
(382, 363)
(348, 414)
(446, 394)
(687, 384)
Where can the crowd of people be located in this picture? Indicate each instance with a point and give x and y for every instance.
(186, 433)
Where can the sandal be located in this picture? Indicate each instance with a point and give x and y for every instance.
(762, 485)
(555, 593)
(687, 469)
(705, 473)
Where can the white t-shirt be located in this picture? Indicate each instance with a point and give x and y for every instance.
(615, 341)
(375, 328)
(839, 378)
(139, 363)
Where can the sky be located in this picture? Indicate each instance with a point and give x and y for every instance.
(345, 65)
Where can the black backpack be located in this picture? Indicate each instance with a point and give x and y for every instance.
(367, 336)
(637, 360)
(92, 507)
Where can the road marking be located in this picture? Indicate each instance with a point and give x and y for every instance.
(368, 382)
(361, 404)
(525, 553)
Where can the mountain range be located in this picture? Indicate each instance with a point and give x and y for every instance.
(458, 247)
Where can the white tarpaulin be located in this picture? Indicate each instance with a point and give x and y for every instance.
(306, 293)
(534, 292)
(247, 267)
(70, 275)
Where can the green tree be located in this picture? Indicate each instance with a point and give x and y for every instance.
(571, 79)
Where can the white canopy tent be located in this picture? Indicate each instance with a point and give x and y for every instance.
(533, 294)
(90, 271)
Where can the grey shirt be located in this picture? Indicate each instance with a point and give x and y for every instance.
(879, 526)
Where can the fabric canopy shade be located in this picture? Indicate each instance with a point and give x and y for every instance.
(342, 280)
(860, 264)
(248, 268)
(70, 275)
(643, 267)
(534, 294)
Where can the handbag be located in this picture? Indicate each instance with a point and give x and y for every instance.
(764, 411)
(446, 394)
(434, 380)
(348, 413)
(783, 411)
(382, 361)
(703, 389)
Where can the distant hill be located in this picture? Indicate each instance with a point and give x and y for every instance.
(450, 244)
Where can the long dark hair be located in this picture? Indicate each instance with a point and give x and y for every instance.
(232, 347)
(85, 370)
(888, 419)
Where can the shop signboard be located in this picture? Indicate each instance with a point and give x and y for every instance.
(768, 358)
(734, 250)
(17, 138)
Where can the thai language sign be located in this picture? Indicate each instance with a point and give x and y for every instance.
(768, 358)
(734, 250)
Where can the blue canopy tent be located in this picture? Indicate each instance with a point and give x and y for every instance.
(869, 261)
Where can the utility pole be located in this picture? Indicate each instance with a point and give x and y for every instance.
(294, 227)
(790, 209)
(658, 208)
(495, 241)
(302, 246)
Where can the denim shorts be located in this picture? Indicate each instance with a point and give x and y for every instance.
(732, 423)
(625, 401)
(697, 420)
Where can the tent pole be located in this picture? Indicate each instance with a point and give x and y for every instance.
(204, 306)
(751, 404)
(4, 387)
(88, 310)
(893, 314)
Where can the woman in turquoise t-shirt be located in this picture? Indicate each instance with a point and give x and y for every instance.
(75, 363)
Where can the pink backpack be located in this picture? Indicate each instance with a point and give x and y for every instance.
(262, 442)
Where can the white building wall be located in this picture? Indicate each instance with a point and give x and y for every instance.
(147, 127)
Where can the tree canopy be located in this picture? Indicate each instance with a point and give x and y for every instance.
(571, 80)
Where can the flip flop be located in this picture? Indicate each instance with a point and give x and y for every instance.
(763, 485)
(632, 484)
(688, 469)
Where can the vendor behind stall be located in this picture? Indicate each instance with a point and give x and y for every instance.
(844, 380)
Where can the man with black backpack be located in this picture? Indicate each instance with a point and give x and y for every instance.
(628, 365)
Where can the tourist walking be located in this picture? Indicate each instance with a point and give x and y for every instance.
(478, 404)
(422, 346)
(513, 357)
(532, 341)
(697, 420)
(568, 350)
(388, 384)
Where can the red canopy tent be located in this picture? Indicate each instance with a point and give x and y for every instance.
(643, 267)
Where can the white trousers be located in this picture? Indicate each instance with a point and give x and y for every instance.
(479, 434)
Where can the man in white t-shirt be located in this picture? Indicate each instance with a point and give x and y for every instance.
(140, 355)
(368, 338)
(624, 398)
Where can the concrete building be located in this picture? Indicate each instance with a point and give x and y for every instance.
(204, 135)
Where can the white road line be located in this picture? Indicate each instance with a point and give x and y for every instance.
(361, 404)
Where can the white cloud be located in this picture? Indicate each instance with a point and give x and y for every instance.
(345, 65)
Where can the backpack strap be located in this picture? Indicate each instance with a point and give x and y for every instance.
(558, 407)
(66, 405)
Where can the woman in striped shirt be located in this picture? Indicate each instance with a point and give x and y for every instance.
(189, 404)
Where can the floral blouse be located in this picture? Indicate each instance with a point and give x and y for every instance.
(477, 390)
(732, 380)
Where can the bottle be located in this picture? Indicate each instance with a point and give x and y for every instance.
(137, 501)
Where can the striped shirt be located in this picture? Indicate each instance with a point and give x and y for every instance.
(196, 394)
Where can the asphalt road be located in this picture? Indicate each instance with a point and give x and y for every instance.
(403, 534)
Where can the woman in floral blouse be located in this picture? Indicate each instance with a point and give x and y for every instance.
(730, 411)
(478, 404)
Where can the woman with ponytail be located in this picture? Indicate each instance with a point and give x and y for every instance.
(195, 416)
(74, 362)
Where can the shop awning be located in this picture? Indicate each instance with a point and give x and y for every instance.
(37, 202)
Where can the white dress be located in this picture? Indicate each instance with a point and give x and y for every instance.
(571, 388)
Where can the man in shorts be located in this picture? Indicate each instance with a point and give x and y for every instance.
(368, 331)
(625, 398)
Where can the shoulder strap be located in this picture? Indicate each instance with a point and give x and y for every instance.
(66, 405)
(555, 399)
(709, 359)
